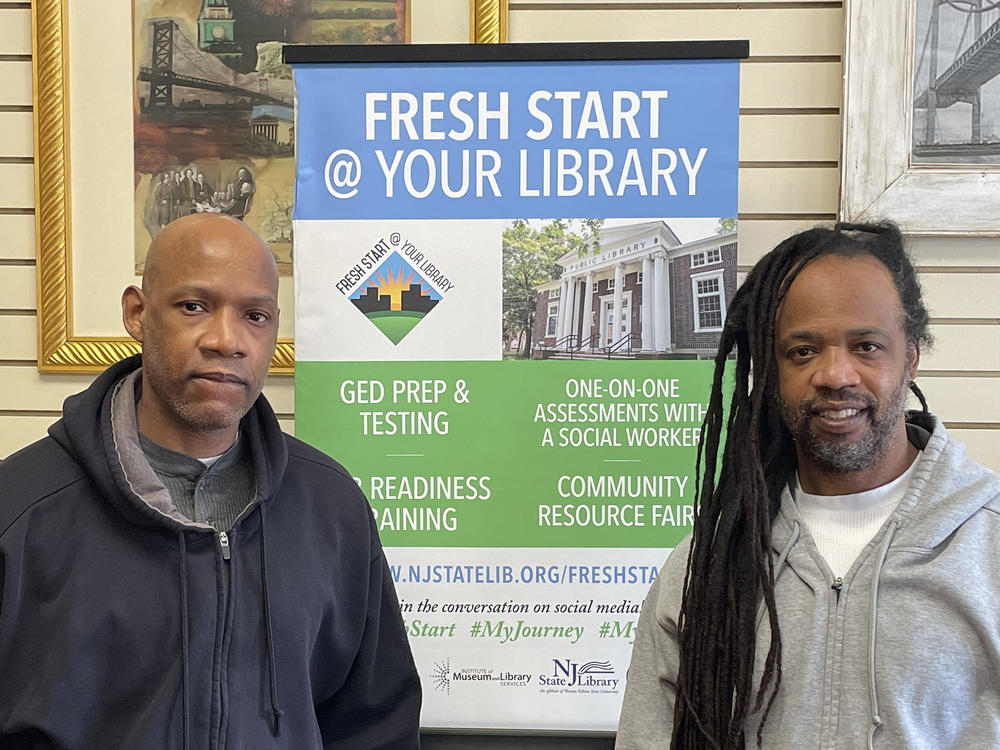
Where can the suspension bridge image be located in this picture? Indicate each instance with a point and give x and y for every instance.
(177, 62)
(193, 105)
(956, 104)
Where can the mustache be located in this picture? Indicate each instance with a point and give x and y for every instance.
(826, 395)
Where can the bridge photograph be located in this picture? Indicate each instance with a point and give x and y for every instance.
(956, 89)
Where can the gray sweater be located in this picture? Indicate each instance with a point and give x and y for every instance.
(905, 655)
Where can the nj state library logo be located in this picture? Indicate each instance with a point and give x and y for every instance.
(570, 676)
(394, 288)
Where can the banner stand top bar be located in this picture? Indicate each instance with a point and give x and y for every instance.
(294, 54)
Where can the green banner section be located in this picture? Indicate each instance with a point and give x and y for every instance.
(514, 453)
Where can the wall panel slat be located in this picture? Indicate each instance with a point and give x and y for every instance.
(790, 84)
(772, 31)
(15, 82)
(25, 388)
(280, 392)
(18, 431)
(628, 6)
(15, 31)
(18, 238)
(955, 251)
(17, 185)
(963, 347)
(758, 237)
(17, 288)
(962, 399)
(962, 295)
(789, 138)
(16, 133)
(789, 190)
(427, 16)
(18, 340)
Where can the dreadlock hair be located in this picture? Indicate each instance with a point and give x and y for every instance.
(730, 568)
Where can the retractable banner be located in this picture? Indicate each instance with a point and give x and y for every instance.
(509, 275)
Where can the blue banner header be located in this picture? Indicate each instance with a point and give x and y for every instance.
(517, 139)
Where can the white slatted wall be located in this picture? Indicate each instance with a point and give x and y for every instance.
(789, 176)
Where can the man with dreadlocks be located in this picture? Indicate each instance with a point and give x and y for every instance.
(841, 588)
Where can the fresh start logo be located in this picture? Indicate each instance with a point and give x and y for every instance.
(569, 676)
(394, 284)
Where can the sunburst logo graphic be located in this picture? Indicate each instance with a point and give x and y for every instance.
(395, 298)
(441, 676)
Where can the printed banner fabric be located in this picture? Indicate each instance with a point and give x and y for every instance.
(510, 280)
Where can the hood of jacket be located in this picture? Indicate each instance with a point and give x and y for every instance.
(85, 433)
(946, 489)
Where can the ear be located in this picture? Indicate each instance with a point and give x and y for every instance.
(914, 361)
(133, 311)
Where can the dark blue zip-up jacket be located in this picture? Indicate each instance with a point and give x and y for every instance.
(123, 628)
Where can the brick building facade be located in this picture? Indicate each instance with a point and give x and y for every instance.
(672, 295)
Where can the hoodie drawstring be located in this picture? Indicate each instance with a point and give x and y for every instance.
(185, 647)
(276, 711)
(779, 567)
(872, 621)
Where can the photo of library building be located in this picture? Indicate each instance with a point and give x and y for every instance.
(670, 297)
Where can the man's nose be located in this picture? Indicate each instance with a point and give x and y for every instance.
(834, 369)
(223, 335)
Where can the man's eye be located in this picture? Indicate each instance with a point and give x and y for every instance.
(869, 346)
(800, 351)
(192, 306)
(258, 317)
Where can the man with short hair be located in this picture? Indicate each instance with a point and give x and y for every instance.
(187, 188)
(178, 210)
(202, 190)
(175, 572)
(241, 205)
(163, 197)
(841, 587)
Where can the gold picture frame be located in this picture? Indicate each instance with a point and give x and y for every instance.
(59, 348)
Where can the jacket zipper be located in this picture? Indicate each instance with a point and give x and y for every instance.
(226, 549)
(830, 686)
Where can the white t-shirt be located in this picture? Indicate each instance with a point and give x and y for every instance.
(212, 459)
(841, 525)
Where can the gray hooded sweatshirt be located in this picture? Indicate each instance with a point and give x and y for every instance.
(905, 655)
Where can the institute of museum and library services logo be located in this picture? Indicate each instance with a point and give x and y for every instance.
(443, 677)
(400, 291)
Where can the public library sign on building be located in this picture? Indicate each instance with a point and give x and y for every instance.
(672, 296)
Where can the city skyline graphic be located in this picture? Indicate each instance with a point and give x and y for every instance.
(395, 298)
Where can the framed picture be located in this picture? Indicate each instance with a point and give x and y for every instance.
(901, 78)
(94, 202)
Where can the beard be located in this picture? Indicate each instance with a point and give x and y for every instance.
(173, 391)
(841, 456)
